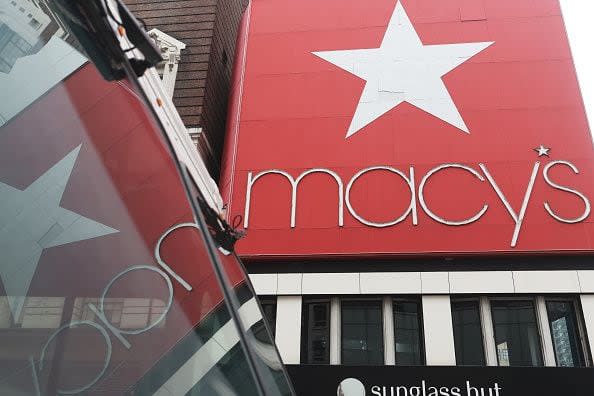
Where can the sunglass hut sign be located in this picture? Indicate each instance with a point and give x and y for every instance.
(354, 387)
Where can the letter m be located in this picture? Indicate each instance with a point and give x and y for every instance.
(294, 184)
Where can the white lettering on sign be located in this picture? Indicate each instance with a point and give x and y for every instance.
(412, 208)
(518, 218)
(566, 189)
(345, 198)
(425, 389)
(436, 217)
(294, 185)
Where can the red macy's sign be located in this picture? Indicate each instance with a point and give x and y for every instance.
(413, 126)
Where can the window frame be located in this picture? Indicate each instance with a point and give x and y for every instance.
(544, 345)
(269, 300)
(477, 300)
(419, 301)
(378, 299)
(304, 341)
(575, 302)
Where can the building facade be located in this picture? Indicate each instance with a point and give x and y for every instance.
(415, 180)
(197, 39)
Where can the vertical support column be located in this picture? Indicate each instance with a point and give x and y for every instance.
(389, 340)
(335, 336)
(288, 328)
(545, 333)
(587, 302)
(488, 332)
(439, 332)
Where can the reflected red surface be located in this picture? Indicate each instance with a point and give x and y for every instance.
(125, 178)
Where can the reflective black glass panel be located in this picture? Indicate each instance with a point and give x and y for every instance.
(468, 337)
(407, 333)
(268, 305)
(564, 331)
(516, 333)
(362, 333)
(316, 332)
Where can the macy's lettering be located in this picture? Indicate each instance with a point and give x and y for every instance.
(344, 197)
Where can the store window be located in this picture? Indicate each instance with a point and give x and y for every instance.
(565, 333)
(407, 333)
(362, 341)
(517, 336)
(316, 331)
(468, 338)
(269, 311)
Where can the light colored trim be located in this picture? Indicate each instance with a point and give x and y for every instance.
(435, 283)
(488, 332)
(390, 282)
(466, 282)
(484, 282)
(586, 279)
(209, 354)
(438, 331)
(537, 281)
(288, 328)
(289, 284)
(330, 283)
(546, 338)
(335, 333)
(265, 284)
(389, 340)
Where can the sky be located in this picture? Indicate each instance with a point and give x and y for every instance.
(580, 29)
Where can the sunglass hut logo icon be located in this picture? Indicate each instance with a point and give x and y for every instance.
(354, 387)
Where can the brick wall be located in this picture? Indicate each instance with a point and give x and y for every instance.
(209, 30)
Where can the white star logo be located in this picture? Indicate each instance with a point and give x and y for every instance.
(402, 69)
(32, 220)
(542, 151)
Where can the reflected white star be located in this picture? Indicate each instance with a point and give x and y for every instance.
(542, 151)
(402, 69)
(31, 221)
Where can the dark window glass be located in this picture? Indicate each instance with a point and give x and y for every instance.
(268, 305)
(316, 332)
(516, 333)
(362, 333)
(564, 331)
(407, 333)
(468, 338)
